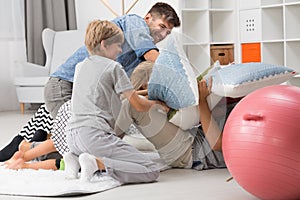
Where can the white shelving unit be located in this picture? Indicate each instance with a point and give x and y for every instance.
(206, 23)
(278, 30)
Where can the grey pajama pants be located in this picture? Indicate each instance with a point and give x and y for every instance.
(122, 161)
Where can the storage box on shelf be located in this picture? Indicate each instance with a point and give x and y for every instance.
(251, 52)
(222, 53)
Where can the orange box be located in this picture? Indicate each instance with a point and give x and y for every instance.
(251, 52)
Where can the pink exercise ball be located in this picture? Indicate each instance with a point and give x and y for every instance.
(261, 143)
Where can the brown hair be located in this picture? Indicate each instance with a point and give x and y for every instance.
(99, 30)
(165, 12)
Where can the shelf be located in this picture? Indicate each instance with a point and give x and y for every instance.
(193, 10)
(292, 55)
(225, 42)
(293, 40)
(292, 16)
(222, 26)
(246, 5)
(273, 53)
(272, 41)
(272, 6)
(191, 27)
(292, 2)
(199, 57)
(270, 2)
(272, 23)
(220, 10)
(195, 4)
(187, 43)
(218, 4)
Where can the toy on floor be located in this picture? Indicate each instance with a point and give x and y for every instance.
(261, 142)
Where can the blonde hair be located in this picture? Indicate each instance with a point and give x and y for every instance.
(99, 30)
(141, 75)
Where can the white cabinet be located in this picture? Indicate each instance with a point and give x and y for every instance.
(206, 23)
(278, 30)
(250, 25)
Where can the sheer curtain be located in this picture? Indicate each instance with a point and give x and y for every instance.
(12, 48)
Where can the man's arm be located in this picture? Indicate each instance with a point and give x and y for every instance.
(151, 55)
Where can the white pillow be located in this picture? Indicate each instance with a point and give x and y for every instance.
(238, 80)
(135, 138)
(188, 117)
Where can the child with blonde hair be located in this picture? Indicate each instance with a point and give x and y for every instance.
(99, 82)
(57, 143)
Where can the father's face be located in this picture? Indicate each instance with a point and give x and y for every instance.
(159, 28)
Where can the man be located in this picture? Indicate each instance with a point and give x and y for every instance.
(141, 35)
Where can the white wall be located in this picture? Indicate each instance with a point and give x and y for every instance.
(86, 11)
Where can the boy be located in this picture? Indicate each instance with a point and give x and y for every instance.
(99, 82)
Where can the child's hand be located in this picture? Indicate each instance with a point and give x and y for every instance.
(142, 92)
(164, 106)
(204, 90)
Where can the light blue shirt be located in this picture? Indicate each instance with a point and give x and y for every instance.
(137, 42)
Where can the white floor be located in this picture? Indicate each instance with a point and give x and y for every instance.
(172, 184)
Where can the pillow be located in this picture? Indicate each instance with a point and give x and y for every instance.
(188, 117)
(238, 80)
(173, 80)
(208, 71)
(136, 139)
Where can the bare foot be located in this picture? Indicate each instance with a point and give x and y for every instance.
(16, 162)
(24, 146)
(100, 164)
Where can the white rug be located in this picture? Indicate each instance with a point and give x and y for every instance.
(50, 183)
